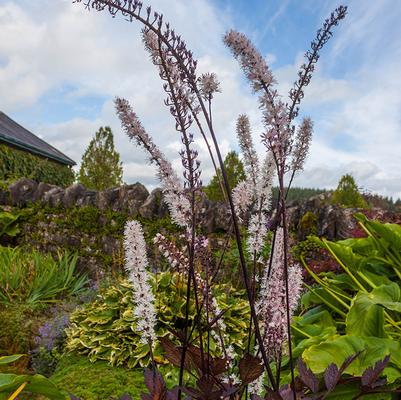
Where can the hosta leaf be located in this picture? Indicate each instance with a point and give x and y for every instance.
(10, 359)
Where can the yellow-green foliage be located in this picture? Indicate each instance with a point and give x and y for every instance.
(308, 224)
(105, 329)
(347, 193)
(15, 164)
(94, 381)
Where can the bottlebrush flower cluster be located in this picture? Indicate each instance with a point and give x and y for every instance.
(136, 264)
(253, 195)
(271, 304)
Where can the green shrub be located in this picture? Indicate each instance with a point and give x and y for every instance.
(33, 278)
(97, 381)
(105, 329)
(347, 193)
(15, 164)
(307, 225)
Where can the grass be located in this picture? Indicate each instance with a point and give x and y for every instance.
(98, 380)
(34, 278)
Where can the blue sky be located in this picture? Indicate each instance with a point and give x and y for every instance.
(60, 68)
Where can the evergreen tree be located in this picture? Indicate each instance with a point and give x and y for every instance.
(235, 174)
(347, 193)
(101, 167)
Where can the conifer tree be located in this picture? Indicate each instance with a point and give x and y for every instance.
(347, 193)
(235, 174)
(101, 167)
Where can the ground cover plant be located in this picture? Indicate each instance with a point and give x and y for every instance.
(106, 329)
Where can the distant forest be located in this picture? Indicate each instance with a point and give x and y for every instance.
(300, 194)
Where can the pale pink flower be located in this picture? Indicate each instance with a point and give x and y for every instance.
(209, 85)
(174, 195)
(136, 264)
(252, 63)
(243, 197)
(301, 146)
(245, 141)
(171, 252)
(271, 304)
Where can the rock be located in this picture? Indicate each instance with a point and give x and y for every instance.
(88, 198)
(73, 193)
(41, 190)
(109, 199)
(216, 217)
(132, 197)
(22, 191)
(154, 206)
(110, 245)
(54, 197)
(331, 221)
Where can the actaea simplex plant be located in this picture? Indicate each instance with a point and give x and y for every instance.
(274, 295)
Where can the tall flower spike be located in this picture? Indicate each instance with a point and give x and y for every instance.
(171, 252)
(301, 146)
(271, 305)
(136, 264)
(252, 63)
(278, 133)
(296, 94)
(180, 101)
(258, 229)
(244, 136)
(174, 196)
(243, 197)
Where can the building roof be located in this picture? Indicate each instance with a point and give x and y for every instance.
(16, 135)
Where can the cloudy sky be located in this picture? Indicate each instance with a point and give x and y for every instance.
(61, 67)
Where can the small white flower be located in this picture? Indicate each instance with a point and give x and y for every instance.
(136, 263)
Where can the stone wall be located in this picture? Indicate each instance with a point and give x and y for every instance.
(132, 199)
(91, 222)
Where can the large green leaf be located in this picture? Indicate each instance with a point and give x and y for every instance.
(365, 318)
(345, 255)
(10, 359)
(337, 349)
(36, 384)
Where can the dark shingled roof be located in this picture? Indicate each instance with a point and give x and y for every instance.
(17, 136)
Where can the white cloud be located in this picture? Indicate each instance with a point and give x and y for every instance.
(49, 45)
